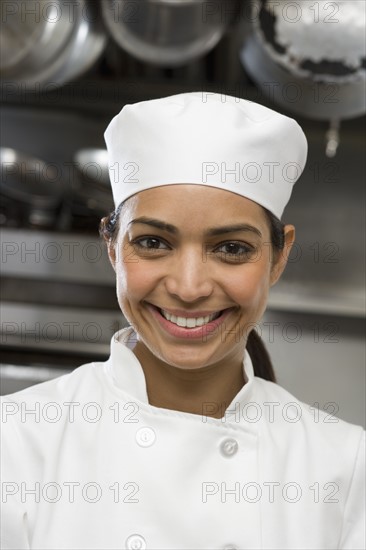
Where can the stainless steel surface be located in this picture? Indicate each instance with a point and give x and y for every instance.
(48, 43)
(47, 328)
(66, 257)
(58, 293)
(168, 32)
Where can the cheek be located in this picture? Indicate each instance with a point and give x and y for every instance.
(134, 279)
(249, 286)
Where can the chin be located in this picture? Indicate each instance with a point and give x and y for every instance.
(186, 365)
(185, 361)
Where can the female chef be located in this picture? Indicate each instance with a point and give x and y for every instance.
(182, 439)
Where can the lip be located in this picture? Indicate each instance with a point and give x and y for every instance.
(197, 333)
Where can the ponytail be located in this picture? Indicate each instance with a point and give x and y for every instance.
(261, 360)
(262, 363)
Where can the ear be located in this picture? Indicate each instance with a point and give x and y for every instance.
(111, 254)
(280, 260)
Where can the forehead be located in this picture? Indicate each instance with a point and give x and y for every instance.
(199, 205)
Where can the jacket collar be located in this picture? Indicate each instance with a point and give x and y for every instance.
(128, 375)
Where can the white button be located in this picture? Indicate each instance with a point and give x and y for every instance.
(145, 437)
(135, 542)
(230, 547)
(229, 447)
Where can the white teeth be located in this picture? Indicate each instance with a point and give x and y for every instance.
(190, 322)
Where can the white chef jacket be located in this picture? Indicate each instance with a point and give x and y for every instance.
(88, 464)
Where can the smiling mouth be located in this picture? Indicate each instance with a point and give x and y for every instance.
(189, 322)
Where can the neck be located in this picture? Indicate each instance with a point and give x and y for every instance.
(205, 390)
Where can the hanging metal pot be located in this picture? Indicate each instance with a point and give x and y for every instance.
(45, 44)
(168, 32)
(309, 58)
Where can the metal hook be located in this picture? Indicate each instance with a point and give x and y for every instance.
(333, 138)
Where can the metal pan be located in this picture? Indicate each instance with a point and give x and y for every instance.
(35, 187)
(168, 32)
(45, 44)
(323, 89)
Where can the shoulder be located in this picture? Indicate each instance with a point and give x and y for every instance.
(44, 409)
(293, 410)
(304, 437)
(34, 419)
(321, 431)
(77, 381)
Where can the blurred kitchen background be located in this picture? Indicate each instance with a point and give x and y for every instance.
(68, 67)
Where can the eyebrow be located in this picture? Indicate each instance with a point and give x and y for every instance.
(211, 232)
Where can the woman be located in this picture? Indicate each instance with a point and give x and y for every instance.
(182, 439)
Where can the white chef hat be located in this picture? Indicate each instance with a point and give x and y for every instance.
(208, 139)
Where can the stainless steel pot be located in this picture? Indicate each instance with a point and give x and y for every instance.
(290, 57)
(168, 32)
(44, 44)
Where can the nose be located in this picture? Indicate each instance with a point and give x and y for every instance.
(188, 278)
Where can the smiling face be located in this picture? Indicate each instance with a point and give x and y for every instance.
(177, 250)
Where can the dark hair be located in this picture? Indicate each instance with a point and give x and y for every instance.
(261, 360)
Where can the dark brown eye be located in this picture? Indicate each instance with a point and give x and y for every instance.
(234, 251)
(152, 243)
(233, 248)
(149, 243)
